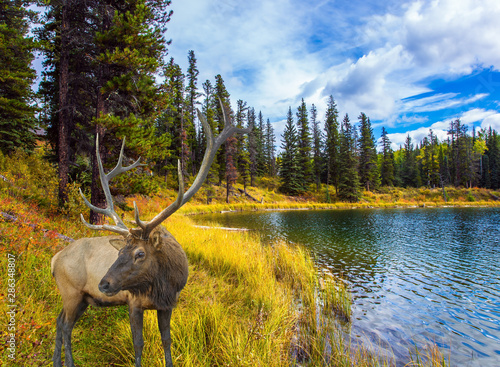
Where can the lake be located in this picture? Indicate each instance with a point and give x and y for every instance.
(417, 275)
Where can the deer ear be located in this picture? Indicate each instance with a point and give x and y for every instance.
(155, 239)
(117, 243)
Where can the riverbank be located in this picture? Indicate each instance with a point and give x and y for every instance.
(246, 303)
(386, 197)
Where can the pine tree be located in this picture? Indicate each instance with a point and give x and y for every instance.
(231, 171)
(409, 172)
(192, 129)
(387, 166)
(101, 58)
(304, 144)
(221, 94)
(368, 172)
(317, 147)
(458, 152)
(242, 156)
(348, 187)
(291, 182)
(429, 160)
(270, 149)
(17, 122)
(493, 145)
(252, 145)
(260, 141)
(444, 169)
(171, 121)
(332, 144)
(208, 110)
(70, 85)
(130, 49)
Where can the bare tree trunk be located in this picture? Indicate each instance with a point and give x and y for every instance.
(63, 128)
(97, 195)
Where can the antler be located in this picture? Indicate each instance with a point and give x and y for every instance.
(109, 211)
(213, 145)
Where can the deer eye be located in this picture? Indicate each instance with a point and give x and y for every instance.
(139, 255)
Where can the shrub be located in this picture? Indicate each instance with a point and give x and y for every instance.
(30, 176)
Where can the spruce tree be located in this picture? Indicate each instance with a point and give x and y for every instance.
(387, 166)
(260, 141)
(289, 170)
(332, 144)
(172, 119)
(69, 85)
(493, 144)
(231, 171)
(192, 129)
(317, 148)
(409, 171)
(368, 171)
(304, 145)
(348, 187)
(101, 58)
(458, 152)
(252, 145)
(208, 110)
(17, 122)
(270, 149)
(242, 156)
(221, 96)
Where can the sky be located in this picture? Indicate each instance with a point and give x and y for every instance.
(410, 66)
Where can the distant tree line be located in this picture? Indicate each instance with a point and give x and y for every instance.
(349, 158)
(102, 60)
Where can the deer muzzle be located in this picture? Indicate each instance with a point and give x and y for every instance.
(107, 288)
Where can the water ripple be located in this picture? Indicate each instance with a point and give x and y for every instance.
(417, 275)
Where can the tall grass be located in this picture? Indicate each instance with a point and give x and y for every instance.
(246, 303)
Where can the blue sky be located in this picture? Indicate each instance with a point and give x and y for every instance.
(410, 66)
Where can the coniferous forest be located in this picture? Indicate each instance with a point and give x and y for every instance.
(106, 71)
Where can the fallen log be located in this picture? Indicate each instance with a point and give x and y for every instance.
(224, 228)
(494, 196)
(249, 196)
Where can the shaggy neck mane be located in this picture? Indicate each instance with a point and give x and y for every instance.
(160, 285)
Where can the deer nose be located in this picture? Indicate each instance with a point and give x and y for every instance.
(104, 286)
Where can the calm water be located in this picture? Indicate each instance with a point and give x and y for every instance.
(417, 275)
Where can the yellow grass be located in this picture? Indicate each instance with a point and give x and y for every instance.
(246, 303)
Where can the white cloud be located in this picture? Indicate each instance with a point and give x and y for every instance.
(428, 39)
(255, 46)
(398, 139)
(492, 121)
(452, 35)
(370, 60)
(439, 102)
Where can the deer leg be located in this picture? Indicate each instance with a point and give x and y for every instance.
(164, 326)
(56, 359)
(65, 323)
(136, 316)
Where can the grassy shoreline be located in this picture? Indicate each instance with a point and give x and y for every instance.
(243, 305)
(238, 207)
(246, 303)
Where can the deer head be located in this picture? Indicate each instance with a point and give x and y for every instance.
(138, 250)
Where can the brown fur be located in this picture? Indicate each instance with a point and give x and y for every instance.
(151, 282)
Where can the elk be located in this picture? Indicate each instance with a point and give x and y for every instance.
(144, 267)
